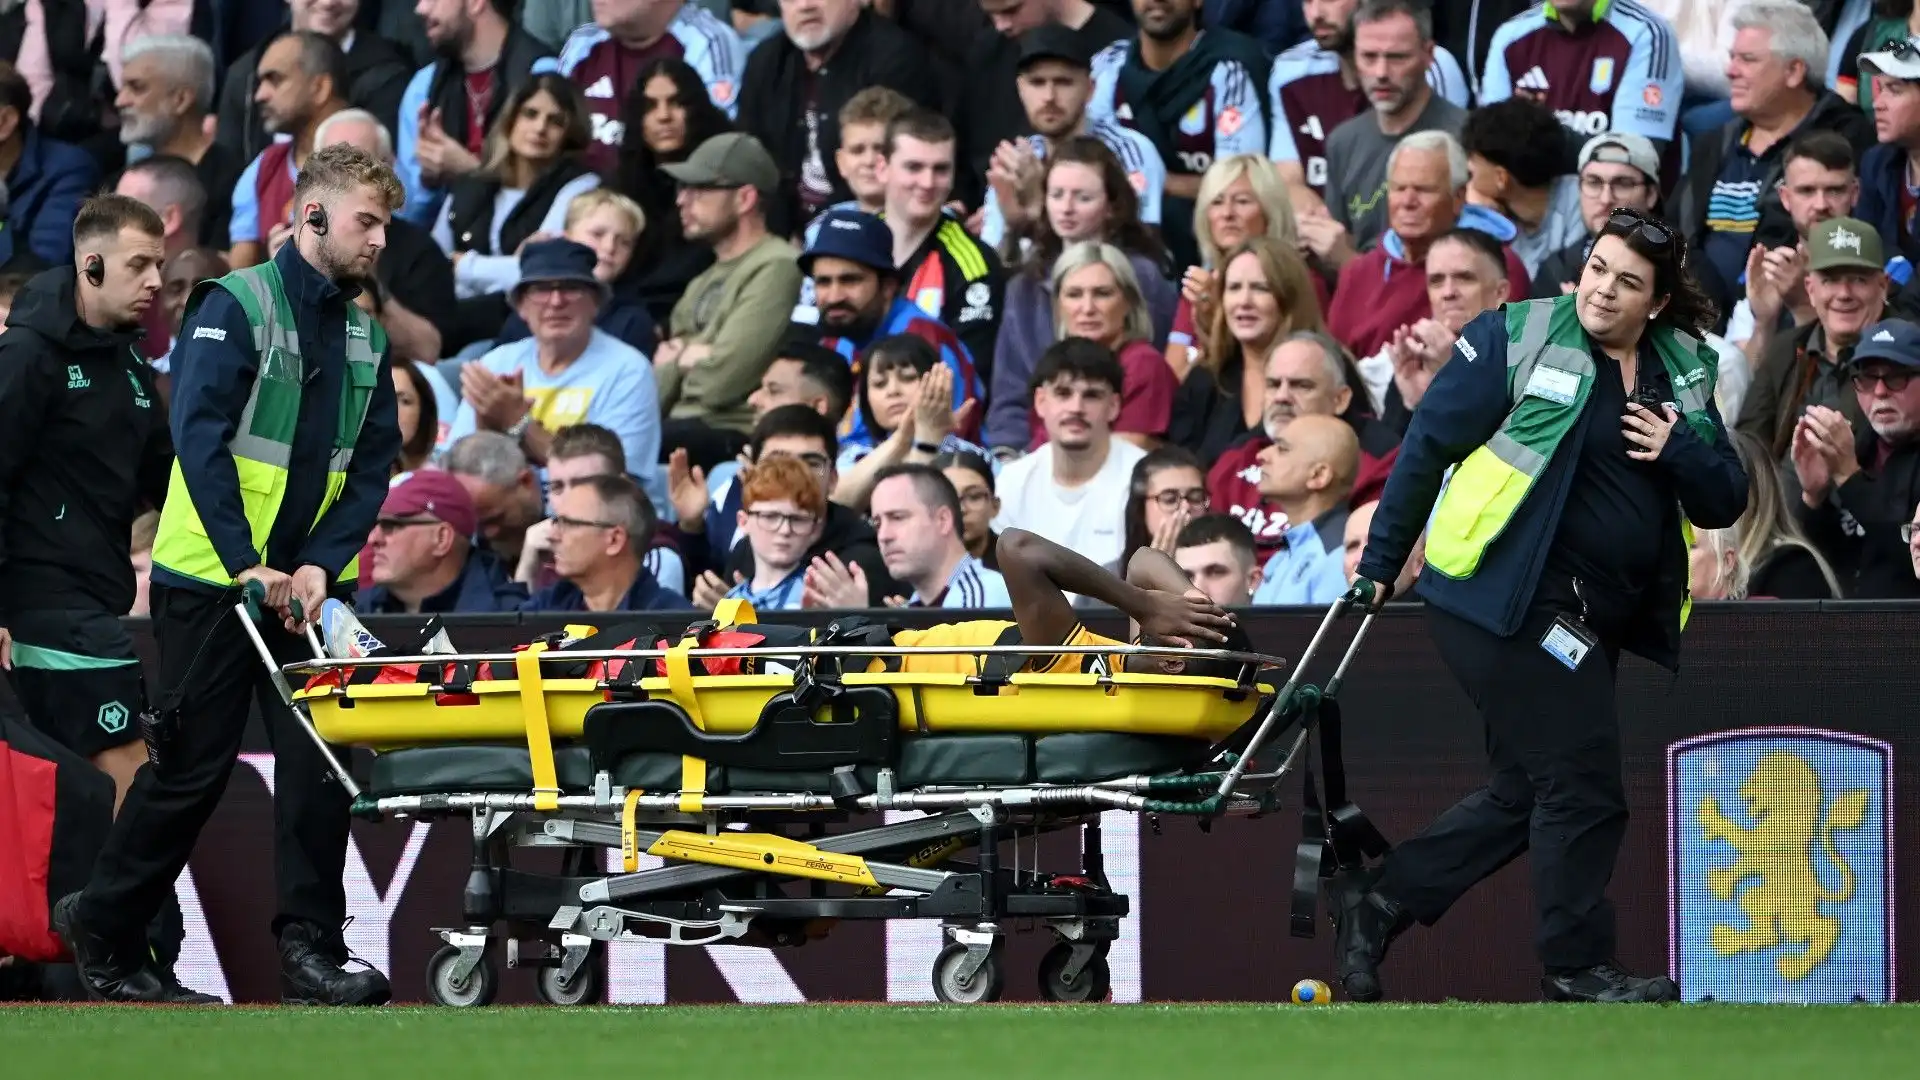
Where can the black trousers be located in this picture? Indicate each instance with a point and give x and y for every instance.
(1553, 741)
(208, 670)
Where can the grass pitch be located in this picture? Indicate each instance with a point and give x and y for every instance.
(920, 1042)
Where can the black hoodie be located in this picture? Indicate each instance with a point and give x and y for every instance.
(83, 449)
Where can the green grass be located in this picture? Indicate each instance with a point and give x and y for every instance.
(1224, 1042)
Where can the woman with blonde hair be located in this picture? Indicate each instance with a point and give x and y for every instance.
(1780, 563)
(1263, 294)
(1085, 196)
(1240, 197)
(1097, 297)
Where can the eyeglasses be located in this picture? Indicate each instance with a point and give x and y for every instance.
(561, 523)
(1907, 531)
(976, 498)
(779, 522)
(1619, 185)
(389, 526)
(817, 462)
(1895, 381)
(1173, 497)
(1627, 222)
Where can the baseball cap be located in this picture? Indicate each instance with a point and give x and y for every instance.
(1051, 41)
(1623, 148)
(1894, 340)
(730, 159)
(853, 235)
(1844, 242)
(433, 493)
(1900, 60)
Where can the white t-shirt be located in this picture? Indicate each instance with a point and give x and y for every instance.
(1090, 519)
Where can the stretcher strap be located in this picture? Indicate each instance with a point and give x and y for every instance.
(533, 712)
(1335, 836)
(693, 770)
(629, 838)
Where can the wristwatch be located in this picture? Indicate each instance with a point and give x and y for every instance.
(926, 447)
(519, 429)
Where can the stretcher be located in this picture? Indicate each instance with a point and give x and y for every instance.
(743, 807)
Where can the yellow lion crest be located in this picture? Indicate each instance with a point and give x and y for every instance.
(1782, 904)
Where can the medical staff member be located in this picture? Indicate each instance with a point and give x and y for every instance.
(285, 427)
(1585, 446)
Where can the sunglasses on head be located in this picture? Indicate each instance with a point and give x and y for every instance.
(1626, 222)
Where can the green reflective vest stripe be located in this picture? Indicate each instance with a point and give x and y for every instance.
(262, 443)
(1488, 487)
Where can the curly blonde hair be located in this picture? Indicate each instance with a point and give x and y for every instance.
(342, 167)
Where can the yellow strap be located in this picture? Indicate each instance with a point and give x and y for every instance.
(693, 770)
(629, 842)
(735, 611)
(533, 710)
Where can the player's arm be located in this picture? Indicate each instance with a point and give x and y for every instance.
(1040, 574)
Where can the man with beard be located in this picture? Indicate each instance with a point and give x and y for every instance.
(286, 427)
(303, 80)
(1392, 53)
(376, 75)
(83, 450)
(482, 59)
(1869, 471)
(727, 326)
(166, 95)
(1315, 88)
(857, 301)
(1055, 79)
(1195, 93)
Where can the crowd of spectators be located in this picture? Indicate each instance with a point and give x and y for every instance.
(805, 301)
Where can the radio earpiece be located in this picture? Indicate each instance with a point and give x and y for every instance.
(96, 270)
(317, 220)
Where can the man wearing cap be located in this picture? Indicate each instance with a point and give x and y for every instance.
(728, 324)
(1617, 169)
(424, 561)
(1886, 200)
(1055, 80)
(1866, 472)
(1847, 286)
(568, 372)
(857, 301)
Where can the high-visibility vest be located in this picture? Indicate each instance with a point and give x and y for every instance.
(262, 443)
(1485, 491)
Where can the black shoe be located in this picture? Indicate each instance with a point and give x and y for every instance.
(1365, 923)
(313, 970)
(1606, 983)
(105, 977)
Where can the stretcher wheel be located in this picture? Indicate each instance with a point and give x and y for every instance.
(985, 985)
(1094, 983)
(588, 987)
(475, 990)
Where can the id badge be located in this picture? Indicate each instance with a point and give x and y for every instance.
(1569, 641)
(1553, 385)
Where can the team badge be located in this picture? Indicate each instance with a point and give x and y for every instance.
(1230, 121)
(1195, 121)
(1780, 866)
(1602, 80)
(1652, 95)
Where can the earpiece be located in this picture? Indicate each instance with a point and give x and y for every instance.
(317, 220)
(96, 270)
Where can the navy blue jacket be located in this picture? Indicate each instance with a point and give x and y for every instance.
(482, 587)
(213, 376)
(45, 191)
(1883, 173)
(1460, 412)
(645, 594)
